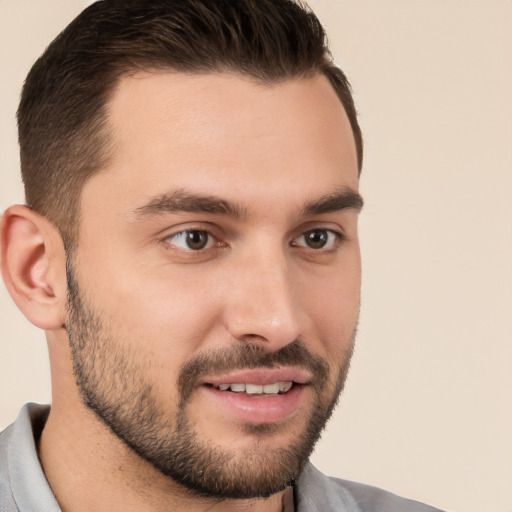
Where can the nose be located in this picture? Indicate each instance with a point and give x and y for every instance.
(264, 303)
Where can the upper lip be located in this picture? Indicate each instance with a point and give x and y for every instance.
(261, 376)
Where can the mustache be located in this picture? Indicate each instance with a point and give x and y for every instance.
(249, 356)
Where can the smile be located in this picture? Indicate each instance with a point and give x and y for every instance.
(258, 395)
(275, 388)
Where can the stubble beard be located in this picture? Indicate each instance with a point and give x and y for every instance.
(114, 384)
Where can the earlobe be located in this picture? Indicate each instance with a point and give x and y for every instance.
(33, 266)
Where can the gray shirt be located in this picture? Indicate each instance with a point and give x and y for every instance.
(24, 488)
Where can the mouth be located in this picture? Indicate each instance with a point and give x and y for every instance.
(275, 388)
(260, 381)
(259, 395)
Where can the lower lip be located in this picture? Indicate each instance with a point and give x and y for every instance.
(258, 409)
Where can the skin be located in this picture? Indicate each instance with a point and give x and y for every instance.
(269, 150)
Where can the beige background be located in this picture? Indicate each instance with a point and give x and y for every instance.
(428, 407)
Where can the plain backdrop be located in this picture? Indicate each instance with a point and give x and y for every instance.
(427, 410)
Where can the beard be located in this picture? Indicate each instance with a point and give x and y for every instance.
(115, 383)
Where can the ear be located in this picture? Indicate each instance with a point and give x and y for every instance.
(34, 266)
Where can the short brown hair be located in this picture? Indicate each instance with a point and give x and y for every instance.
(62, 113)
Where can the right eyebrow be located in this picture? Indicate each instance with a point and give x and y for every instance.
(182, 201)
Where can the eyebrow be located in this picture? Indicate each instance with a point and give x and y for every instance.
(344, 199)
(182, 201)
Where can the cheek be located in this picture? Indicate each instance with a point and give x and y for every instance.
(166, 316)
(334, 307)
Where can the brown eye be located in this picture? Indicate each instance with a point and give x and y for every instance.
(316, 239)
(197, 240)
(192, 240)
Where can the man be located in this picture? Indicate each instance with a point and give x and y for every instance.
(190, 247)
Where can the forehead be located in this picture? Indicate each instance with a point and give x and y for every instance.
(226, 135)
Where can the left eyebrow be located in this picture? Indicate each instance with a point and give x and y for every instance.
(335, 202)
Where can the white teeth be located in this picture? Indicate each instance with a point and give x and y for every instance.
(253, 389)
(272, 389)
(285, 386)
(257, 389)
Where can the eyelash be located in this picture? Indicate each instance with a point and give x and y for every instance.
(334, 239)
(185, 232)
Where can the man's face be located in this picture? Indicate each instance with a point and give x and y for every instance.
(214, 291)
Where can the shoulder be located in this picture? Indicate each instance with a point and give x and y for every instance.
(7, 503)
(23, 485)
(318, 493)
